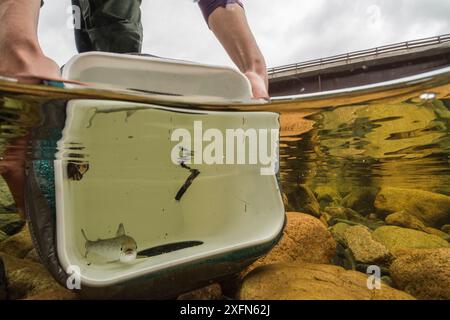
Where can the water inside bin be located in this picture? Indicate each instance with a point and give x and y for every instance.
(114, 166)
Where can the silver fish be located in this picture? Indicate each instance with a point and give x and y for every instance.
(121, 248)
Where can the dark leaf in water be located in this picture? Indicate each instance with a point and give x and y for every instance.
(167, 248)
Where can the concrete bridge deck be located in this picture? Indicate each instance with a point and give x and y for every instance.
(361, 67)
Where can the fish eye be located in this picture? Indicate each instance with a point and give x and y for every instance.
(121, 249)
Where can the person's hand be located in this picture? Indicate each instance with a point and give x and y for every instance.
(231, 28)
(259, 85)
(28, 66)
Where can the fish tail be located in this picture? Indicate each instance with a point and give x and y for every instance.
(84, 235)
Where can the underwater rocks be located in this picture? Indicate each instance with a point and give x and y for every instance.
(19, 245)
(305, 239)
(6, 199)
(337, 212)
(26, 278)
(364, 248)
(211, 292)
(29, 280)
(327, 196)
(396, 238)
(350, 217)
(431, 208)
(405, 220)
(361, 200)
(312, 282)
(446, 228)
(338, 232)
(302, 199)
(33, 256)
(424, 273)
(11, 223)
(3, 236)
(345, 214)
(436, 232)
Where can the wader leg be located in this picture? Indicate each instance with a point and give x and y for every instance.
(110, 26)
(82, 39)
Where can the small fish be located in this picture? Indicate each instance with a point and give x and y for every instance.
(121, 248)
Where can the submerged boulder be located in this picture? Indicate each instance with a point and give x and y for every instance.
(327, 195)
(29, 280)
(302, 199)
(3, 236)
(11, 223)
(431, 208)
(424, 273)
(436, 232)
(446, 228)
(337, 212)
(6, 199)
(405, 220)
(361, 200)
(18, 245)
(351, 217)
(364, 248)
(396, 238)
(305, 239)
(33, 256)
(312, 282)
(338, 232)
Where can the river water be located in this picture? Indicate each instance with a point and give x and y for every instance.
(359, 162)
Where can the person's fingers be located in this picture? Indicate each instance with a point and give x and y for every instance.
(259, 87)
(31, 70)
(46, 69)
(259, 92)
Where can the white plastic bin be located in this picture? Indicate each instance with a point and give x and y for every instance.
(156, 75)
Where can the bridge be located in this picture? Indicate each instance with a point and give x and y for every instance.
(361, 67)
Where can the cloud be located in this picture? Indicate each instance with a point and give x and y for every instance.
(288, 31)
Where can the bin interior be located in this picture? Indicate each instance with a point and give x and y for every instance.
(132, 180)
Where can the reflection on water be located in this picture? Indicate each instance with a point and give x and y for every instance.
(403, 145)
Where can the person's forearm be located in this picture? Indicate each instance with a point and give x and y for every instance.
(230, 26)
(18, 21)
(21, 56)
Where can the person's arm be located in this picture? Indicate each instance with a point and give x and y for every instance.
(231, 28)
(22, 58)
(20, 54)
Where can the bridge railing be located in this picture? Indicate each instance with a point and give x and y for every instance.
(362, 54)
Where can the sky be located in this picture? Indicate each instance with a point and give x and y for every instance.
(288, 31)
